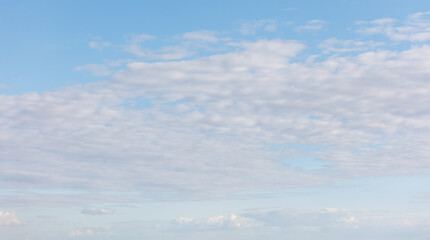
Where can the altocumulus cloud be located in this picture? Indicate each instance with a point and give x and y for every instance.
(206, 127)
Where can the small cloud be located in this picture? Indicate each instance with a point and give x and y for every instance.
(91, 231)
(252, 27)
(165, 53)
(134, 45)
(204, 36)
(99, 211)
(416, 27)
(312, 25)
(98, 45)
(334, 45)
(172, 53)
(8, 219)
(290, 9)
(95, 69)
(330, 210)
(218, 222)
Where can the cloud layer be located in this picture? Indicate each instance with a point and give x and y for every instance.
(211, 126)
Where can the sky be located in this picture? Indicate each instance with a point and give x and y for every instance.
(131, 120)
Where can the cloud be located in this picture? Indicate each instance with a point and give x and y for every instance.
(416, 28)
(215, 223)
(252, 27)
(8, 219)
(211, 122)
(134, 46)
(91, 232)
(95, 69)
(99, 211)
(290, 9)
(334, 45)
(327, 223)
(205, 36)
(331, 223)
(312, 25)
(98, 45)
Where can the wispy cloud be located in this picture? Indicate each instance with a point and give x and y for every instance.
(99, 211)
(99, 45)
(93, 231)
(416, 28)
(334, 45)
(134, 46)
(312, 25)
(252, 27)
(204, 35)
(95, 69)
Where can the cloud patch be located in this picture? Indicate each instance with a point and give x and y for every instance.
(98, 70)
(231, 221)
(312, 25)
(415, 28)
(252, 27)
(99, 211)
(8, 219)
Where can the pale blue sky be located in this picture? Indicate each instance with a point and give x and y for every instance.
(214, 120)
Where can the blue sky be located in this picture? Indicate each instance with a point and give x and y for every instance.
(214, 120)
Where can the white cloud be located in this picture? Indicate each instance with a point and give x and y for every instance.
(204, 35)
(99, 211)
(416, 28)
(331, 222)
(218, 222)
(252, 27)
(203, 128)
(312, 25)
(334, 45)
(134, 46)
(95, 69)
(90, 232)
(98, 45)
(8, 219)
(290, 9)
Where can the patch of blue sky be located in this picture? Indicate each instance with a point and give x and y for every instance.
(302, 158)
(313, 117)
(304, 163)
(308, 148)
(138, 103)
(302, 147)
(174, 103)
